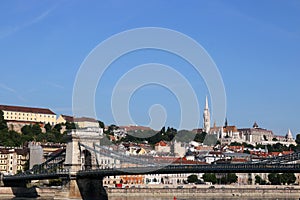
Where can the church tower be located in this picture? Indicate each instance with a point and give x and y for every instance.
(206, 117)
(289, 136)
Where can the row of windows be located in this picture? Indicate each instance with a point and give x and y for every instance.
(29, 114)
(11, 117)
(3, 167)
(27, 119)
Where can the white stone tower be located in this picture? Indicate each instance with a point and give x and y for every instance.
(206, 117)
(289, 136)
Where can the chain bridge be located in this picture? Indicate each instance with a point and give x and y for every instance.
(81, 166)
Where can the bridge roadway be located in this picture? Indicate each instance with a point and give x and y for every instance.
(168, 169)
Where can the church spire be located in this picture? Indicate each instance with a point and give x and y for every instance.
(206, 117)
(226, 122)
(289, 135)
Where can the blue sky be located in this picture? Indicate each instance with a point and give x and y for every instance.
(255, 45)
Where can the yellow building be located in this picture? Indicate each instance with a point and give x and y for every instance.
(18, 116)
(64, 118)
(13, 160)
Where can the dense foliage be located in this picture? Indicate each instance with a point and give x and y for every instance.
(279, 179)
(192, 178)
(32, 133)
(227, 178)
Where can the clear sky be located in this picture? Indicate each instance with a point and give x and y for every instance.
(255, 44)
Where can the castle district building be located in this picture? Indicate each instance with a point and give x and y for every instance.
(255, 135)
(18, 116)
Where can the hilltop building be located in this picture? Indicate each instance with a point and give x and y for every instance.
(86, 122)
(18, 116)
(64, 118)
(256, 134)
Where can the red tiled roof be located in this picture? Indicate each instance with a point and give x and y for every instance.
(230, 129)
(68, 118)
(161, 143)
(238, 160)
(84, 119)
(135, 128)
(26, 109)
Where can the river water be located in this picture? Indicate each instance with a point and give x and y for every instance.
(157, 198)
(193, 198)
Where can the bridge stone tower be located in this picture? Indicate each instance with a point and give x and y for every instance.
(80, 158)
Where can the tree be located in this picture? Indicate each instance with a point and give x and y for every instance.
(209, 177)
(288, 178)
(3, 124)
(36, 129)
(183, 136)
(210, 140)
(26, 130)
(47, 127)
(235, 144)
(200, 137)
(245, 144)
(111, 128)
(70, 125)
(229, 178)
(259, 180)
(298, 139)
(192, 178)
(57, 127)
(101, 124)
(274, 178)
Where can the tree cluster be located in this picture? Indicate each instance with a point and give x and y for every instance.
(150, 136)
(192, 178)
(281, 179)
(227, 178)
(32, 133)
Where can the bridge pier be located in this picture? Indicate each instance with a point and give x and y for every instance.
(87, 189)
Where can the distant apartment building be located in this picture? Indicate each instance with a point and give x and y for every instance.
(18, 116)
(86, 122)
(134, 128)
(13, 160)
(162, 147)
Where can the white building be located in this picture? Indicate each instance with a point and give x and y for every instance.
(86, 122)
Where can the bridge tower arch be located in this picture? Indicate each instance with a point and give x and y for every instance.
(87, 159)
(79, 157)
